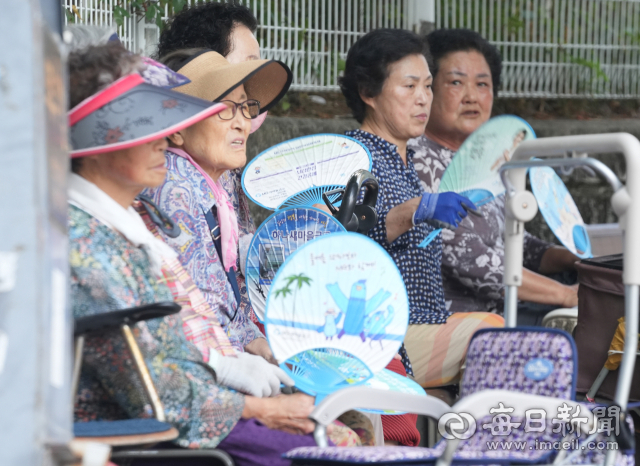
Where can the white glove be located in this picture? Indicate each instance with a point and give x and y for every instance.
(248, 374)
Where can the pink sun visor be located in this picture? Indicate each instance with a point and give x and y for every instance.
(131, 112)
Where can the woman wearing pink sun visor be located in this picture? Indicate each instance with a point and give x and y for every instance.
(118, 127)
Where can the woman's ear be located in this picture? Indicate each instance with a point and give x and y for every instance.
(176, 139)
(369, 101)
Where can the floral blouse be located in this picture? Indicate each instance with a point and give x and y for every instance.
(109, 273)
(185, 195)
(472, 254)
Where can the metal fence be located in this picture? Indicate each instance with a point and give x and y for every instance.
(550, 48)
(557, 48)
(311, 36)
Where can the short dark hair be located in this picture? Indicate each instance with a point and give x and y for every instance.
(208, 25)
(178, 58)
(445, 41)
(93, 68)
(368, 62)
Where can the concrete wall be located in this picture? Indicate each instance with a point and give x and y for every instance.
(591, 195)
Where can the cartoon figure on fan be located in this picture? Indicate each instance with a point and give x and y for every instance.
(356, 307)
(376, 323)
(331, 321)
(506, 155)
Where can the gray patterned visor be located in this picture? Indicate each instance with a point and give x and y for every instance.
(129, 113)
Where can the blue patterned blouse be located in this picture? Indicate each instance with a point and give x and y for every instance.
(185, 195)
(420, 267)
(109, 273)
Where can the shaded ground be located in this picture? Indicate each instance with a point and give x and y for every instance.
(303, 104)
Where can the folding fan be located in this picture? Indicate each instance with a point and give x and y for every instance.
(474, 170)
(340, 291)
(295, 173)
(560, 211)
(278, 236)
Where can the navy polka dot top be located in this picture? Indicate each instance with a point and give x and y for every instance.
(420, 267)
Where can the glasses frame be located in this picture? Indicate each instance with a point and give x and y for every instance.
(235, 106)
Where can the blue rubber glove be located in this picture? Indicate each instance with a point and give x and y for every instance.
(443, 210)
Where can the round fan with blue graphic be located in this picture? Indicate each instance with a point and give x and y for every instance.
(474, 171)
(560, 211)
(279, 236)
(295, 173)
(342, 292)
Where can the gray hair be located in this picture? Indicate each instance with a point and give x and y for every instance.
(81, 36)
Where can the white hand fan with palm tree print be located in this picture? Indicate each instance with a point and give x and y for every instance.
(339, 297)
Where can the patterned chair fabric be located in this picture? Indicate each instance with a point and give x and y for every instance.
(532, 360)
(529, 360)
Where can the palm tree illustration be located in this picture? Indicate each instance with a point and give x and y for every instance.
(297, 281)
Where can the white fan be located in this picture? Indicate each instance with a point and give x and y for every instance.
(340, 291)
(274, 241)
(560, 211)
(474, 170)
(295, 173)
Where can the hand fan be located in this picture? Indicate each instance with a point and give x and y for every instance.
(389, 380)
(560, 211)
(340, 291)
(474, 169)
(278, 236)
(319, 372)
(429, 238)
(295, 173)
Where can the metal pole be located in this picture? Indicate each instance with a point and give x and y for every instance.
(35, 371)
(630, 344)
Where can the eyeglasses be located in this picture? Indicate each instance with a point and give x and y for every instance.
(250, 109)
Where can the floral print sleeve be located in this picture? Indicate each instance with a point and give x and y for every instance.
(108, 273)
(185, 196)
(472, 261)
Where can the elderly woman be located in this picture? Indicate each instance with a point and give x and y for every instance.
(466, 79)
(192, 194)
(387, 85)
(226, 28)
(117, 263)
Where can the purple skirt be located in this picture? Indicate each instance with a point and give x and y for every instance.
(251, 443)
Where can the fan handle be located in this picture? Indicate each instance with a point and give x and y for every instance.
(356, 217)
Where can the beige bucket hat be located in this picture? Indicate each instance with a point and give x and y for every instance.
(213, 77)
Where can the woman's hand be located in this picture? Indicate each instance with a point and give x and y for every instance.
(288, 413)
(537, 288)
(260, 347)
(444, 210)
(570, 296)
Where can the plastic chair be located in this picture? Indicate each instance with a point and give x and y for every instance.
(565, 318)
(132, 437)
